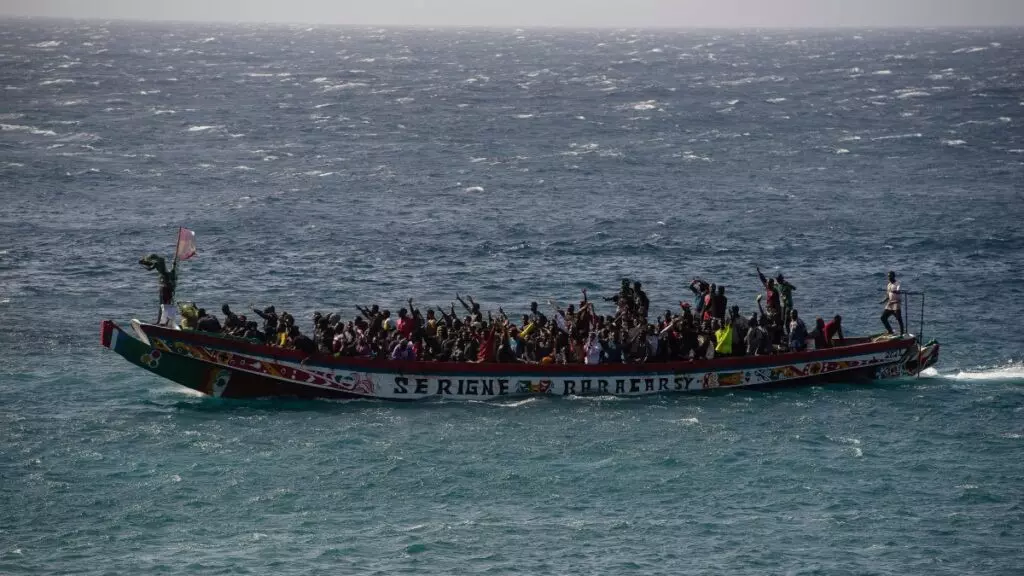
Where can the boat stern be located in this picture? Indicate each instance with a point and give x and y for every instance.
(927, 356)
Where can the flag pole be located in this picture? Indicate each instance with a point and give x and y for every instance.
(177, 240)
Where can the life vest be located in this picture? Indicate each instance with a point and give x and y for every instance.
(724, 337)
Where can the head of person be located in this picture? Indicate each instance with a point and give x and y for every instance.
(430, 314)
(226, 310)
(721, 290)
(819, 322)
(202, 312)
(636, 286)
(793, 315)
(571, 309)
(374, 309)
(780, 278)
(838, 320)
(892, 276)
(625, 283)
(533, 307)
(402, 312)
(753, 321)
(714, 288)
(387, 314)
(269, 310)
(734, 312)
(771, 283)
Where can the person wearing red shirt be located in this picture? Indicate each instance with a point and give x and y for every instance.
(834, 328)
(486, 340)
(405, 324)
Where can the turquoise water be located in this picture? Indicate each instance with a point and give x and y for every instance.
(325, 167)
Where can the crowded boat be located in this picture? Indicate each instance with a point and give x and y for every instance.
(620, 328)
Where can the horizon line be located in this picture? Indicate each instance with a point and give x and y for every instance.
(512, 27)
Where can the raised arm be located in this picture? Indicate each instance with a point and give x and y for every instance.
(764, 281)
(464, 305)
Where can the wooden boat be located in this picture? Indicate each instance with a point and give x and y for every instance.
(228, 367)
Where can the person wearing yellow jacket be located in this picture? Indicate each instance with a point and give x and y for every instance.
(723, 340)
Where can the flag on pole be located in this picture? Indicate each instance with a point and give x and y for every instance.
(186, 244)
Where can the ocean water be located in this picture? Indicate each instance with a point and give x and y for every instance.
(323, 167)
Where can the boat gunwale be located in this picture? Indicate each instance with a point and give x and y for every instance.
(387, 366)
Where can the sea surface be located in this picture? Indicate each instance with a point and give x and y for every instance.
(324, 167)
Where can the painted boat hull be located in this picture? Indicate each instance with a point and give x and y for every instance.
(232, 368)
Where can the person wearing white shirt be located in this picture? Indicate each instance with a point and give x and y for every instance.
(893, 293)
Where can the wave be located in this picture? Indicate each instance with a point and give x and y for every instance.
(1013, 371)
(29, 129)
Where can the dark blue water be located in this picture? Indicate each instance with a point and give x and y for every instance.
(325, 167)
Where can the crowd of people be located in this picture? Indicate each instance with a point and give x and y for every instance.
(630, 332)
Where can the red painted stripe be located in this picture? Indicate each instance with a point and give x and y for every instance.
(419, 367)
(106, 332)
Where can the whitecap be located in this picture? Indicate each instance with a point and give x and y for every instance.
(841, 151)
(902, 94)
(775, 100)
(201, 128)
(344, 86)
(47, 44)
(476, 189)
(882, 72)
(30, 129)
(56, 81)
(954, 142)
(897, 137)
(524, 116)
(646, 105)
